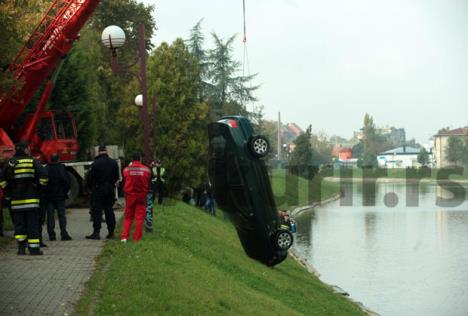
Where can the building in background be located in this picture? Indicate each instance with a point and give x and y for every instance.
(441, 145)
(400, 157)
(290, 132)
(396, 136)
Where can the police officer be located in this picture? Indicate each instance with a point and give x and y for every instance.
(24, 176)
(102, 178)
(158, 180)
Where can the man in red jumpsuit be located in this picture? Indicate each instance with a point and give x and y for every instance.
(137, 179)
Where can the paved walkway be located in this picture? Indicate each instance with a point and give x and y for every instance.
(50, 284)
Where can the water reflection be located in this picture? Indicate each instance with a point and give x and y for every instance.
(397, 260)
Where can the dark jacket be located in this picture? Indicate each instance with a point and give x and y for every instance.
(25, 178)
(103, 175)
(59, 182)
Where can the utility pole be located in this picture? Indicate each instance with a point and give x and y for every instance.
(279, 136)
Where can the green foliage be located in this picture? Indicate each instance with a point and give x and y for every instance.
(195, 44)
(457, 150)
(423, 157)
(193, 264)
(301, 160)
(368, 160)
(358, 149)
(77, 89)
(17, 21)
(119, 91)
(220, 85)
(181, 119)
(226, 85)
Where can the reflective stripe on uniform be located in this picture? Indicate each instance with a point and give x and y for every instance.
(3, 184)
(28, 160)
(34, 243)
(20, 237)
(17, 202)
(24, 171)
(43, 181)
(22, 176)
(138, 169)
(23, 204)
(20, 207)
(24, 165)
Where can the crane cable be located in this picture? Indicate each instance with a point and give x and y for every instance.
(246, 53)
(244, 40)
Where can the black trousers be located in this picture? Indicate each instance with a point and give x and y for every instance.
(26, 225)
(102, 202)
(159, 190)
(60, 207)
(41, 216)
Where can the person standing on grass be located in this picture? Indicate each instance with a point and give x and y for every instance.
(158, 181)
(210, 203)
(137, 179)
(55, 195)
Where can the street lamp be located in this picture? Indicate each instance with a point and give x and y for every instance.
(113, 37)
(139, 100)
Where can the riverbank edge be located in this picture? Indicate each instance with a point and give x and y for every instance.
(397, 180)
(311, 269)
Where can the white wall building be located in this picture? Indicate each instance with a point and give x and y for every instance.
(401, 157)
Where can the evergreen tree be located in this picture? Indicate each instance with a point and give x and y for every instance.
(423, 157)
(369, 157)
(181, 119)
(457, 150)
(302, 157)
(226, 85)
(195, 44)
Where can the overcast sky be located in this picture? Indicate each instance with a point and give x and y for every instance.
(327, 63)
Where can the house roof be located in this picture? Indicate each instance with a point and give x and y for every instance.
(401, 151)
(462, 131)
(294, 128)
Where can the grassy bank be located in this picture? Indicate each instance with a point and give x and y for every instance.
(291, 191)
(193, 264)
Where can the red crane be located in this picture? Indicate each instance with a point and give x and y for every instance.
(48, 132)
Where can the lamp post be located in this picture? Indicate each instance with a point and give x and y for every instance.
(113, 37)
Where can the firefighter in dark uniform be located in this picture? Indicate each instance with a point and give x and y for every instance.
(24, 177)
(102, 179)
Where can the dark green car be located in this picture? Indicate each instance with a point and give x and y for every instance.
(242, 188)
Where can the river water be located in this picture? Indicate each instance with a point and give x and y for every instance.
(400, 260)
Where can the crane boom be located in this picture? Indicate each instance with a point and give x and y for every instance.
(48, 44)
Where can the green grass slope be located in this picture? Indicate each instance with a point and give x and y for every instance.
(291, 191)
(193, 264)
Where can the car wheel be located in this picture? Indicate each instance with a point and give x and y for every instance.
(259, 146)
(283, 239)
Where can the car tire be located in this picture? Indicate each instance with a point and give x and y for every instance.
(259, 146)
(283, 239)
